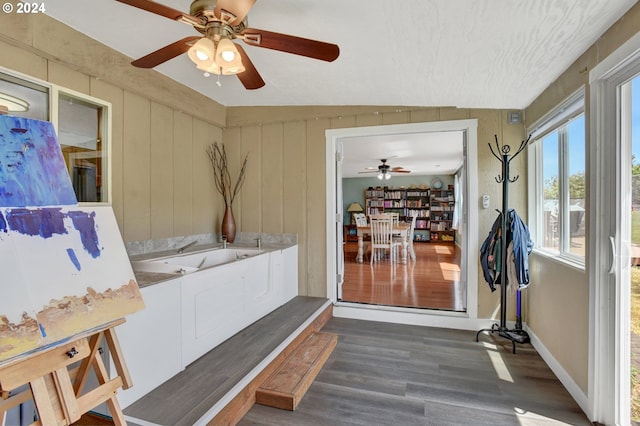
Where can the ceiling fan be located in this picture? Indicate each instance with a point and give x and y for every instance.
(220, 22)
(384, 170)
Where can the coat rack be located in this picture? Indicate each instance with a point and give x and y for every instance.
(516, 335)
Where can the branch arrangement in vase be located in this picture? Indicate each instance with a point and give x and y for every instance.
(221, 175)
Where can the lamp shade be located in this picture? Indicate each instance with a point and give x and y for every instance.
(202, 53)
(354, 208)
(228, 57)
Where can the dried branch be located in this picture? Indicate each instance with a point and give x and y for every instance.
(221, 175)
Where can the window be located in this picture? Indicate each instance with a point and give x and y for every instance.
(80, 133)
(81, 122)
(557, 180)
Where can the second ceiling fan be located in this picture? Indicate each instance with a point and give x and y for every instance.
(384, 170)
(220, 22)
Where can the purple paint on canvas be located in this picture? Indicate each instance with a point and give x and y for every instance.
(32, 169)
(42, 222)
(74, 258)
(84, 222)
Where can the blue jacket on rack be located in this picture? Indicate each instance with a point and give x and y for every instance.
(491, 250)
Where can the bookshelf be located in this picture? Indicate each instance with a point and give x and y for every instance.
(442, 203)
(418, 202)
(405, 202)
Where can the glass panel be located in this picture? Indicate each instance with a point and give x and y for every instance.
(81, 139)
(576, 168)
(551, 193)
(24, 98)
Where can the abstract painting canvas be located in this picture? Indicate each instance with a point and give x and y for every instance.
(32, 169)
(64, 267)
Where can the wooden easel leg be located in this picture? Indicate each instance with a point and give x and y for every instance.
(95, 360)
(67, 396)
(42, 400)
(118, 357)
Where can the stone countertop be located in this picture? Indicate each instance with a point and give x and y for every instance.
(146, 279)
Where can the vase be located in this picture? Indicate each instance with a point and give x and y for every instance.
(228, 226)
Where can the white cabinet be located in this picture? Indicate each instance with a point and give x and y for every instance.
(150, 340)
(212, 306)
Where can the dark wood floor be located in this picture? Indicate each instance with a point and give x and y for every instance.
(432, 281)
(390, 374)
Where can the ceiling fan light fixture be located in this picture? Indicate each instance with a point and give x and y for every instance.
(202, 53)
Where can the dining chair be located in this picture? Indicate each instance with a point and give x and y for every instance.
(409, 240)
(395, 218)
(382, 237)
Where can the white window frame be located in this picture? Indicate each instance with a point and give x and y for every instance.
(54, 93)
(556, 119)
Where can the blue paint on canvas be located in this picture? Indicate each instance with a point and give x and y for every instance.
(3, 223)
(85, 223)
(44, 222)
(47, 222)
(32, 169)
(74, 258)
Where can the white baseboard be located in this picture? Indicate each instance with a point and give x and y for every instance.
(410, 316)
(572, 387)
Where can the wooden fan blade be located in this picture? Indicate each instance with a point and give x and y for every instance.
(400, 170)
(162, 10)
(164, 54)
(291, 44)
(237, 9)
(250, 78)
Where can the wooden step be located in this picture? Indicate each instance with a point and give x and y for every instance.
(288, 384)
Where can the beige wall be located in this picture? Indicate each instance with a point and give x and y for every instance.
(559, 295)
(161, 181)
(290, 143)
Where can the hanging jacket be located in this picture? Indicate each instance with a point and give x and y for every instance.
(491, 250)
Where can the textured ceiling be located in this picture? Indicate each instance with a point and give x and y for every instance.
(463, 53)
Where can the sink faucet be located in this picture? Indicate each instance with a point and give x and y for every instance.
(224, 241)
(183, 248)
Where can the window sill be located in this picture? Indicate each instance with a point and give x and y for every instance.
(570, 262)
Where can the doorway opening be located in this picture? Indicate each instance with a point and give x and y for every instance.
(453, 255)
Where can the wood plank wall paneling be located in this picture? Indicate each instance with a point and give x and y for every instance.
(272, 178)
(137, 167)
(182, 165)
(295, 192)
(161, 172)
(252, 197)
(307, 139)
(202, 199)
(315, 209)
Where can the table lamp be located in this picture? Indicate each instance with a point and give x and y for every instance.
(354, 208)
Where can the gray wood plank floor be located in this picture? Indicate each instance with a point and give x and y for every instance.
(389, 374)
(186, 397)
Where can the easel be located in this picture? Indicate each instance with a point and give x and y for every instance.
(56, 390)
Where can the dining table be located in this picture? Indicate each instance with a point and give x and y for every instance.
(400, 229)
